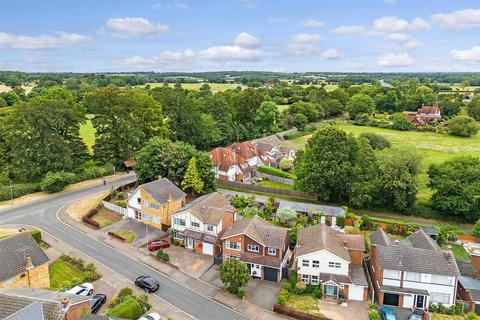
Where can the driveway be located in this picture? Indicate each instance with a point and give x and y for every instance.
(261, 293)
(143, 232)
(334, 311)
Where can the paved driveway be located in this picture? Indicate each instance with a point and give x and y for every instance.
(143, 231)
(357, 310)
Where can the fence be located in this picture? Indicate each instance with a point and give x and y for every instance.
(257, 188)
(275, 178)
(113, 207)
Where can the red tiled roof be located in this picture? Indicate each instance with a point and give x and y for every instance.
(224, 158)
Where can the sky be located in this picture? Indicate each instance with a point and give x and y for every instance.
(216, 35)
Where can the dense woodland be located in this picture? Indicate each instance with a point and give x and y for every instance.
(40, 138)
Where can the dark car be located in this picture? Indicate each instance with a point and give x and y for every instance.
(147, 283)
(97, 302)
(154, 245)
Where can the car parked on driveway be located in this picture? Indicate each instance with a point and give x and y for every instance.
(151, 316)
(154, 245)
(387, 314)
(97, 302)
(85, 289)
(147, 283)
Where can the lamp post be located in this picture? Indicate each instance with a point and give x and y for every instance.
(11, 192)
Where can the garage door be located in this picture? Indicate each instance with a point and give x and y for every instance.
(270, 274)
(390, 299)
(355, 293)
(207, 248)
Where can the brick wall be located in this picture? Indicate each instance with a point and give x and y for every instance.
(356, 257)
(75, 312)
(226, 251)
(36, 278)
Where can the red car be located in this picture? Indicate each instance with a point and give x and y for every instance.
(154, 245)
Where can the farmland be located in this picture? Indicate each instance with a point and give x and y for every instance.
(435, 148)
(215, 87)
(27, 88)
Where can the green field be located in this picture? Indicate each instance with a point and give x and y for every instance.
(215, 87)
(327, 87)
(87, 132)
(435, 148)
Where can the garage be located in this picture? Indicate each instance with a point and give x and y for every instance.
(390, 299)
(270, 274)
(355, 292)
(207, 248)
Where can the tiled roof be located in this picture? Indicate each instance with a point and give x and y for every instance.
(380, 237)
(246, 149)
(259, 230)
(224, 158)
(210, 208)
(358, 276)
(473, 285)
(466, 268)
(13, 253)
(270, 261)
(162, 189)
(272, 141)
(420, 239)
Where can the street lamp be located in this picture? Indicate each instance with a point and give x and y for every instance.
(11, 192)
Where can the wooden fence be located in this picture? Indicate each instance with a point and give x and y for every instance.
(270, 177)
(257, 188)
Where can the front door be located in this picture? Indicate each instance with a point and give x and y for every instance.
(138, 215)
(330, 290)
(189, 243)
(255, 270)
(420, 302)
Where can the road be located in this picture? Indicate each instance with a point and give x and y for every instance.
(43, 214)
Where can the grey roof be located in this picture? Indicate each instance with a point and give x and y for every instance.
(162, 189)
(431, 231)
(44, 294)
(404, 290)
(210, 208)
(358, 276)
(13, 253)
(311, 207)
(417, 253)
(466, 268)
(472, 284)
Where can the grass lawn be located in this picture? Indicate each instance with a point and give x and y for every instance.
(195, 86)
(60, 271)
(304, 303)
(435, 148)
(327, 87)
(274, 184)
(437, 316)
(106, 217)
(459, 252)
(87, 132)
(129, 236)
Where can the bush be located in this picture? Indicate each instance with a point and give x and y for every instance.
(241, 202)
(374, 315)
(240, 293)
(341, 222)
(367, 223)
(285, 215)
(471, 316)
(56, 181)
(163, 255)
(281, 299)
(317, 293)
(285, 164)
(18, 190)
(36, 235)
(121, 203)
(463, 126)
(476, 229)
(276, 172)
(129, 308)
(376, 141)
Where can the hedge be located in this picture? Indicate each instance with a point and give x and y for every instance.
(115, 235)
(276, 172)
(18, 190)
(36, 235)
(88, 219)
(129, 308)
(296, 314)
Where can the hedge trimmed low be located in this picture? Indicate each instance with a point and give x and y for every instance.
(276, 172)
(88, 219)
(295, 313)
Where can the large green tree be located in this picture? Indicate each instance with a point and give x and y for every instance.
(463, 126)
(360, 103)
(234, 275)
(474, 108)
(192, 182)
(267, 117)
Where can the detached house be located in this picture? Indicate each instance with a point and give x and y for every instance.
(202, 222)
(332, 260)
(469, 282)
(154, 202)
(423, 116)
(23, 263)
(261, 245)
(412, 272)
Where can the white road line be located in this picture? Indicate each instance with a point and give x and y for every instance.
(60, 230)
(91, 247)
(73, 237)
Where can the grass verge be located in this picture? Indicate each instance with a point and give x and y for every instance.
(129, 236)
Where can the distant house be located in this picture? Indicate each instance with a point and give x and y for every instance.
(272, 146)
(201, 223)
(22, 263)
(412, 272)
(40, 304)
(423, 116)
(332, 260)
(261, 245)
(129, 164)
(469, 282)
(154, 202)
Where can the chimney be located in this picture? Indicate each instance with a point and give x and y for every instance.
(65, 302)
(345, 243)
(476, 263)
(28, 262)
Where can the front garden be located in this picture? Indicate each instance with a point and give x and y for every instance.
(67, 272)
(124, 235)
(126, 305)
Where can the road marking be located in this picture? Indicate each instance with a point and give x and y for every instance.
(60, 230)
(91, 247)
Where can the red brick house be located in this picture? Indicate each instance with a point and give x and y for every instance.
(423, 116)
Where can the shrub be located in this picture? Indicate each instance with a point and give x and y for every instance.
(285, 215)
(476, 229)
(56, 181)
(66, 285)
(374, 315)
(17, 190)
(276, 172)
(317, 293)
(121, 203)
(240, 293)
(36, 235)
(471, 316)
(341, 222)
(143, 300)
(129, 308)
(281, 299)
(241, 202)
(376, 141)
(285, 164)
(163, 255)
(367, 223)
(463, 126)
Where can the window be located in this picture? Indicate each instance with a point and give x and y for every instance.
(305, 263)
(391, 274)
(209, 228)
(272, 251)
(316, 264)
(437, 297)
(252, 248)
(440, 279)
(138, 215)
(195, 224)
(305, 278)
(155, 206)
(147, 217)
(156, 219)
(334, 265)
(413, 276)
(139, 200)
(315, 280)
(229, 257)
(179, 222)
(233, 245)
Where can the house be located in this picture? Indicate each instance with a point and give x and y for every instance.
(201, 223)
(271, 145)
(423, 116)
(332, 260)
(23, 263)
(250, 151)
(259, 244)
(469, 282)
(154, 202)
(412, 272)
(40, 304)
(230, 166)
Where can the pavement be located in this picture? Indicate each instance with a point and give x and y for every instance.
(334, 311)
(180, 295)
(143, 231)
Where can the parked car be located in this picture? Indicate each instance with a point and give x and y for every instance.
(387, 314)
(419, 314)
(154, 245)
(147, 283)
(151, 316)
(97, 302)
(85, 289)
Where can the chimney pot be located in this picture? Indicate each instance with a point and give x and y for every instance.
(65, 302)
(28, 262)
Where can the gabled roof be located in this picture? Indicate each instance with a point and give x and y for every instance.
(162, 190)
(259, 230)
(224, 158)
(322, 237)
(13, 255)
(269, 142)
(471, 284)
(246, 149)
(210, 208)
(466, 268)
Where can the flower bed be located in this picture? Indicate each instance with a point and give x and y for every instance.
(296, 314)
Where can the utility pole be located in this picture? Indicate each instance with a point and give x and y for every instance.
(11, 192)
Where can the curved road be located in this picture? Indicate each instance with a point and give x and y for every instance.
(43, 214)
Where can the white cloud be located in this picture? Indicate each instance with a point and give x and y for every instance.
(395, 24)
(331, 54)
(299, 49)
(472, 54)
(133, 27)
(311, 23)
(350, 30)
(246, 40)
(392, 60)
(305, 38)
(405, 40)
(13, 41)
(171, 6)
(164, 61)
(230, 53)
(457, 20)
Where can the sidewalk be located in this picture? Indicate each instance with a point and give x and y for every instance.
(199, 286)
